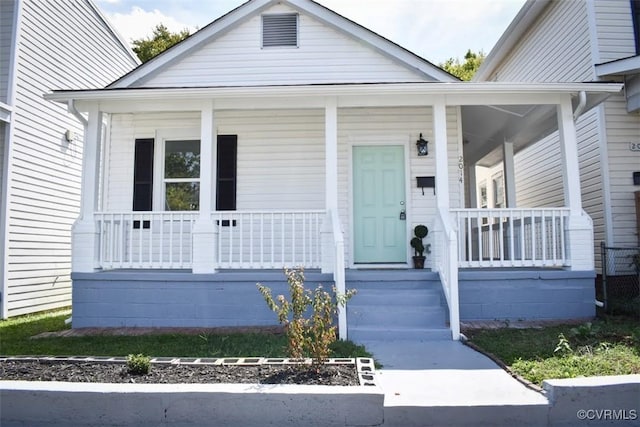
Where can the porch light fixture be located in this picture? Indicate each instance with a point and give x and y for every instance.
(423, 148)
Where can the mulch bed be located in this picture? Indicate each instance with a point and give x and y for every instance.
(48, 370)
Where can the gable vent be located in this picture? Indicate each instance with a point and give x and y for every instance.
(280, 30)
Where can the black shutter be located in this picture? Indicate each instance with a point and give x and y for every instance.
(143, 175)
(143, 178)
(226, 172)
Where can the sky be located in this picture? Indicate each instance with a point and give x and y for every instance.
(434, 29)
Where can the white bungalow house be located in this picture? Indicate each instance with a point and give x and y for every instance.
(595, 40)
(45, 45)
(283, 134)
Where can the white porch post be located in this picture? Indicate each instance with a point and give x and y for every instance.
(331, 182)
(579, 228)
(473, 186)
(442, 161)
(509, 174)
(85, 234)
(204, 230)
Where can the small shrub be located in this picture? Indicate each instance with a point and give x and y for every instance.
(312, 336)
(138, 364)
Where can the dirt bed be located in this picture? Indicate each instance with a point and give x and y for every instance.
(39, 370)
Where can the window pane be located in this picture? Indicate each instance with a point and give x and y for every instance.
(182, 159)
(182, 196)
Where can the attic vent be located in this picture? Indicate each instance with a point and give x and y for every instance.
(280, 30)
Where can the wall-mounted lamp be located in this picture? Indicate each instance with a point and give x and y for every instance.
(423, 148)
(70, 135)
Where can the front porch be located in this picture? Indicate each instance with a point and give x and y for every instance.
(319, 229)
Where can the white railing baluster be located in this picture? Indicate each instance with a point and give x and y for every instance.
(282, 238)
(511, 231)
(469, 237)
(544, 238)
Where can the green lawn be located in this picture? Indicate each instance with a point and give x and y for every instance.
(609, 346)
(16, 333)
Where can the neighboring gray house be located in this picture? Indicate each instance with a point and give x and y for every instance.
(283, 134)
(45, 45)
(575, 41)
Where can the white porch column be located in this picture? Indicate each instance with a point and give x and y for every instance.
(509, 174)
(473, 186)
(204, 230)
(331, 182)
(442, 162)
(579, 228)
(85, 234)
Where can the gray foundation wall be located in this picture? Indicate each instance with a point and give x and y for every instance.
(526, 295)
(177, 299)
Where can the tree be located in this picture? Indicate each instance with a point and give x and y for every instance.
(467, 69)
(161, 40)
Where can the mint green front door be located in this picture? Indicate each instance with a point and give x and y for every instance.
(378, 201)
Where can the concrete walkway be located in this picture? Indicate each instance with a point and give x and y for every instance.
(445, 383)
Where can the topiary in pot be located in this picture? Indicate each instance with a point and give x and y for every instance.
(420, 232)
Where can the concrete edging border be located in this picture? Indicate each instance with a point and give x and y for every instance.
(96, 404)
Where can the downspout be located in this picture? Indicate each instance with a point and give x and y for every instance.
(581, 105)
(71, 107)
(576, 113)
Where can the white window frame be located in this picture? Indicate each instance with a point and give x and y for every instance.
(499, 179)
(159, 181)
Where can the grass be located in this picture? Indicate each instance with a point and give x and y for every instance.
(609, 346)
(16, 333)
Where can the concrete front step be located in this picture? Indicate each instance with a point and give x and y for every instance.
(405, 297)
(396, 316)
(396, 304)
(380, 333)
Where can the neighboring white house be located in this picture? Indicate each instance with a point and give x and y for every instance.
(283, 134)
(45, 45)
(571, 41)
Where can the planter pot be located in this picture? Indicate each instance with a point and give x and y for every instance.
(418, 262)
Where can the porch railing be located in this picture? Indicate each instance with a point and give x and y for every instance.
(512, 237)
(145, 239)
(446, 264)
(268, 239)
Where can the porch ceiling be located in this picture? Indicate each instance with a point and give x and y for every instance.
(486, 127)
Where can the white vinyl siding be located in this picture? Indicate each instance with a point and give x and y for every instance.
(63, 45)
(6, 43)
(324, 55)
(556, 49)
(614, 29)
(622, 128)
